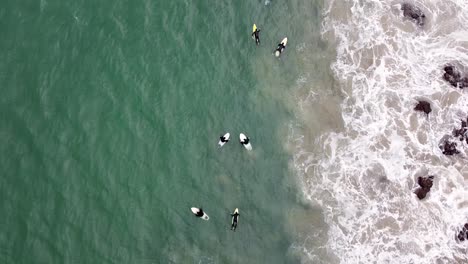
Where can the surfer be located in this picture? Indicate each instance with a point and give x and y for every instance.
(245, 141)
(256, 35)
(235, 217)
(200, 213)
(279, 49)
(223, 139)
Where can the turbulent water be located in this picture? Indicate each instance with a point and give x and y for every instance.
(111, 113)
(364, 174)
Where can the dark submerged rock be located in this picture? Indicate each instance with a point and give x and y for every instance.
(414, 13)
(449, 148)
(463, 82)
(423, 106)
(462, 234)
(426, 185)
(425, 182)
(453, 76)
(449, 69)
(421, 193)
(462, 132)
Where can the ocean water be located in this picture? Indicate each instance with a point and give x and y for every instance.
(111, 113)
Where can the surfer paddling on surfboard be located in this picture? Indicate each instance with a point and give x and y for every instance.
(198, 212)
(245, 141)
(235, 218)
(256, 34)
(223, 139)
(281, 47)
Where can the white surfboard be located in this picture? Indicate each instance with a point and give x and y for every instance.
(226, 137)
(284, 42)
(195, 211)
(232, 220)
(243, 137)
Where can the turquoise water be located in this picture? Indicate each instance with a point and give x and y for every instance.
(111, 113)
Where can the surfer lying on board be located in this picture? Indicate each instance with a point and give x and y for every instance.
(200, 213)
(223, 139)
(256, 35)
(246, 141)
(235, 217)
(280, 49)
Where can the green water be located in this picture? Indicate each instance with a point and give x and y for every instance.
(110, 117)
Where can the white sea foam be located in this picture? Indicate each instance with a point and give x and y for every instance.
(364, 176)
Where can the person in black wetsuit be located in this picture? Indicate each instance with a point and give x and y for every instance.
(234, 222)
(256, 35)
(279, 49)
(246, 141)
(223, 139)
(200, 213)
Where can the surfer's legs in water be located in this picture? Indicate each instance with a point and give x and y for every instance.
(279, 49)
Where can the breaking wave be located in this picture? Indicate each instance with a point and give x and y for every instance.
(364, 176)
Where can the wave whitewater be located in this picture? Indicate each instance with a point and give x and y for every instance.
(364, 177)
